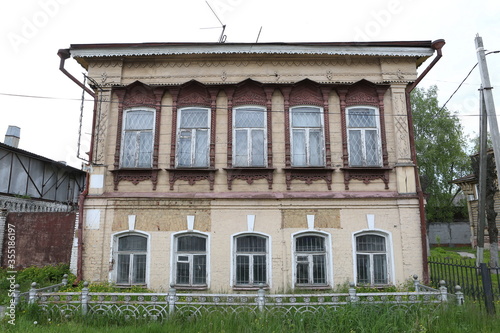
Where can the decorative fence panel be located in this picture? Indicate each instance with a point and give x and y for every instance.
(159, 306)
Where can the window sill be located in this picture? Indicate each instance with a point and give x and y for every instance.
(191, 175)
(243, 288)
(249, 174)
(312, 287)
(308, 175)
(184, 287)
(135, 175)
(366, 175)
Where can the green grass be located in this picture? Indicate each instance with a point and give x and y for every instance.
(358, 318)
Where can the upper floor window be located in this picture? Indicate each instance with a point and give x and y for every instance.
(138, 137)
(249, 137)
(307, 136)
(193, 137)
(371, 260)
(190, 260)
(131, 256)
(251, 260)
(363, 131)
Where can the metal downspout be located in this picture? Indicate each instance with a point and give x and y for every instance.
(65, 54)
(436, 45)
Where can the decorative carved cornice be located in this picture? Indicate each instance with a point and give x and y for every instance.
(193, 94)
(249, 93)
(306, 93)
(192, 176)
(366, 175)
(135, 176)
(249, 175)
(308, 175)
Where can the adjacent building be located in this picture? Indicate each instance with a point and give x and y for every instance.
(230, 166)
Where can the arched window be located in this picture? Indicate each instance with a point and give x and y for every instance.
(363, 132)
(190, 261)
(251, 260)
(372, 259)
(131, 259)
(310, 260)
(307, 137)
(138, 137)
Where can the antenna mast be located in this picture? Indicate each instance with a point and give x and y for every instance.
(222, 38)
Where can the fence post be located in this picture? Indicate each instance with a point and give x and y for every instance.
(85, 298)
(171, 300)
(261, 297)
(460, 295)
(65, 280)
(32, 298)
(487, 288)
(416, 283)
(17, 295)
(443, 290)
(352, 293)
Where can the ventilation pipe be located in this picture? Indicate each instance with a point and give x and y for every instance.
(13, 136)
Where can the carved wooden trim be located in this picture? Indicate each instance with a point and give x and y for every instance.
(249, 93)
(191, 176)
(308, 175)
(325, 91)
(269, 109)
(249, 175)
(137, 94)
(366, 175)
(135, 176)
(285, 91)
(364, 93)
(229, 153)
(306, 93)
(193, 93)
(174, 92)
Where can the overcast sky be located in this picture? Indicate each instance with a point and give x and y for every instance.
(46, 105)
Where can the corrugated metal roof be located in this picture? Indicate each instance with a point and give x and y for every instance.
(398, 49)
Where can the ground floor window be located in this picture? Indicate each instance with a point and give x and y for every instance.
(131, 259)
(371, 260)
(251, 260)
(191, 260)
(310, 257)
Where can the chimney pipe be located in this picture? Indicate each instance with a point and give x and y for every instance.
(13, 136)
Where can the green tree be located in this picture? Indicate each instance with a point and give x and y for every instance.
(441, 154)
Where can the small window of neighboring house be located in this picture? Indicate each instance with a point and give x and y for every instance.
(193, 137)
(251, 259)
(131, 260)
(191, 260)
(249, 137)
(310, 260)
(307, 136)
(363, 131)
(371, 260)
(138, 136)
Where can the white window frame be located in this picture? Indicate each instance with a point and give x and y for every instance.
(388, 251)
(193, 138)
(124, 130)
(363, 131)
(113, 274)
(234, 256)
(328, 259)
(307, 131)
(175, 255)
(249, 131)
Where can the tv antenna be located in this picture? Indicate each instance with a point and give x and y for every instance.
(222, 38)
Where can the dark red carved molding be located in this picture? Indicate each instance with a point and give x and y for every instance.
(249, 175)
(135, 176)
(366, 175)
(249, 92)
(306, 92)
(363, 93)
(308, 175)
(192, 176)
(137, 94)
(193, 93)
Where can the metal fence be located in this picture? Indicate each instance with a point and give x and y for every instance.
(159, 306)
(479, 282)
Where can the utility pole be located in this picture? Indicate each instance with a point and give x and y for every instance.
(481, 218)
(489, 105)
(488, 99)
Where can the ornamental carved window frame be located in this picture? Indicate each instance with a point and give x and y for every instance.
(364, 93)
(193, 94)
(137, 94)
(249, 93)
(307, 93)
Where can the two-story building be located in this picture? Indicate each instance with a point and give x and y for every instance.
(230, 166)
